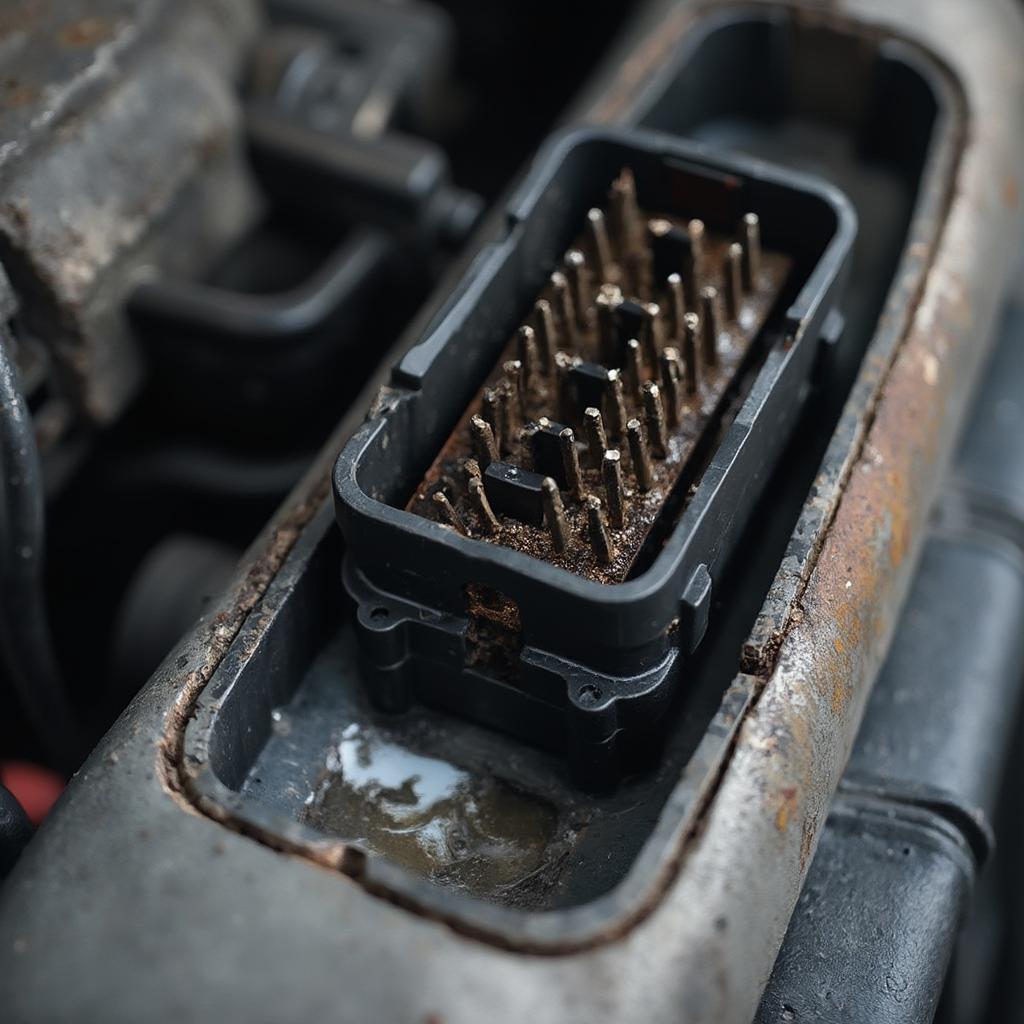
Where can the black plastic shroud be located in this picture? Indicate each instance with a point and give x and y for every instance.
(586, 662)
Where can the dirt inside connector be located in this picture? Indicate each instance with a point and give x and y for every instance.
(676, 340)
(494, 634)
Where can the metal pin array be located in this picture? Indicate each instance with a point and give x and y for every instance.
(620, 348)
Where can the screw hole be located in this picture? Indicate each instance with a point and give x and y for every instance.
(379, 614)
(589, 694)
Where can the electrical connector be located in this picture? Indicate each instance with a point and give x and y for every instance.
(538, 509)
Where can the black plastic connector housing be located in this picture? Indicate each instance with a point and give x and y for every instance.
(571, 663)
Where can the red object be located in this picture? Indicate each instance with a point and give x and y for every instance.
(34, 787)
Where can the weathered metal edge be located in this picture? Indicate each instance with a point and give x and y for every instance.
(792, 748)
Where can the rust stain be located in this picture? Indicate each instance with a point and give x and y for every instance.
(1011, 192)
(839, 695)
(787, 808)
(225, 627)
(809, 831)
(85, 32)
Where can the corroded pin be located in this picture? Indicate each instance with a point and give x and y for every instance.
(554, 514)
(599, 539)
(447, 511)
(638, 455)
(491, 413)
(611, 475)
(671, 375)
(561, 304)
(526, 344)
(580, 288)
(597, 441)
(633, 370)
(482, 507)
(616, 404)
(654, 413)
(600, 245)
(627, 223)
(571, 462)
(545, 333)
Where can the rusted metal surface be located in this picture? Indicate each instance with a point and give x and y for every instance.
(820, 644)
(93, 187)
(705, 949)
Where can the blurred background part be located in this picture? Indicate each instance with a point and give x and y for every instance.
(215, 218)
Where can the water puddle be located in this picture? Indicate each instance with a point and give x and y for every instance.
(465, 829)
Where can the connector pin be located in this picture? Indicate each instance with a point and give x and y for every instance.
(616, 403)
(709, 325)
(447, 511)
(526, 339)
(597, 441)
(554, 515)
(653, 336)
(695, 269)
(484, 445)
(633, 370)
(671, 376)
(733, 272)
(601, 246)
(627, 222)
(571, 462)
(654, 413)
(677, 304)
(751, 250)
(638, 455)
(580, 288)
(491, 411)
(482, 506)
(599, 539)
(562, 305)
(546, 334)
(611, 475)
(691, 327)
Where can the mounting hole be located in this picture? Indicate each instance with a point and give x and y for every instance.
(379, 614)
(589, 694)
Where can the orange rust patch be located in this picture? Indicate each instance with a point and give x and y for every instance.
(85, 32)
(899, 536)
(786, 809)
(838, 694)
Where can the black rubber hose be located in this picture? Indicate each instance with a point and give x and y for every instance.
(25, 641)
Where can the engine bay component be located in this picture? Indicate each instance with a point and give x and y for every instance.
(583, 433)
